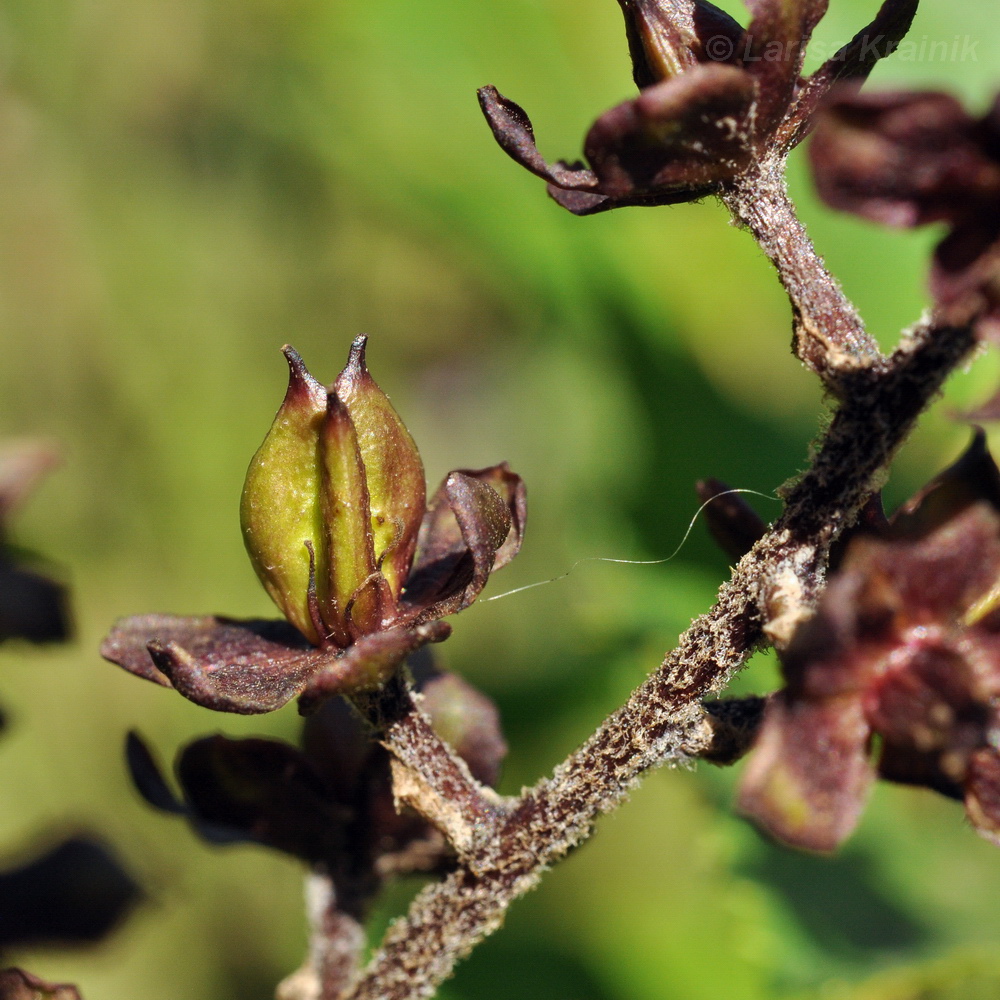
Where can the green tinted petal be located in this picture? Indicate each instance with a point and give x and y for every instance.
(280, 511)
(394, 472)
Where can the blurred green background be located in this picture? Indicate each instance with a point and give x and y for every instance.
(185, 185)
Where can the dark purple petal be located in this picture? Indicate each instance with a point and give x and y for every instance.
(685, 135)
(940, 576)
(261, 791)
(16, 984)
(852, 62)
(581, 202)
(469, 722)
(75, 893)
(974, 477)
(369, 662)
(225, 664)
(734, 524)
(966, 270)
(32, 606)
(148, 778)
(908, 766)
(854, 628)
(513, 132)
(510, 486)
(924, 700)
(807, 780)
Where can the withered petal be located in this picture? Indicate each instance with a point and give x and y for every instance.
(225, 664)
(261, 791)
(939, 576)
(369, 661)
(982, 793)
(902, 158)
(463, 520)
(32, 606)
(965, 274)
(777, 37)
(148, 778)
(808, 778)
(512, 491)
(668, 37)
(581, 202)
(973, 477)
(74, 893)
(515, 136)
(908, 766)
(678, 140)
(854, 61)
(918, 702)
(16, 984)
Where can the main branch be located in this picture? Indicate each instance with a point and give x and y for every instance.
(773, 587)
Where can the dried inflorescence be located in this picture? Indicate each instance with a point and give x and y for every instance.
(715, 101)
(898, 673)
(339, 530)
(908, 159)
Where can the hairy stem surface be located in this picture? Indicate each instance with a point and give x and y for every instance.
(772, 588)
(828, 334)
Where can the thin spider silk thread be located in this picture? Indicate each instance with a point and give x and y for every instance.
(629, 562)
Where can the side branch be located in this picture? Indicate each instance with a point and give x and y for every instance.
(426, 775)
(773, 586)
(829, 335)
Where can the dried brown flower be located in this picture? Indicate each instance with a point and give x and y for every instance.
(714, 101)
(897, 674)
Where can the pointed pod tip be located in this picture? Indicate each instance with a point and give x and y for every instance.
(300, 381)
(356, 359)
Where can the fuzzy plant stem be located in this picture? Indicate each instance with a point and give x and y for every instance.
(828, 334)
(772, 588)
